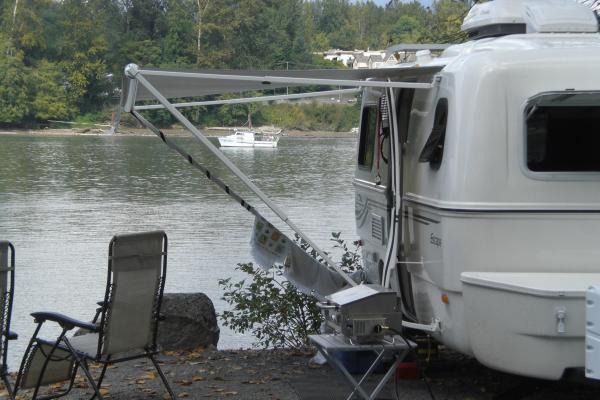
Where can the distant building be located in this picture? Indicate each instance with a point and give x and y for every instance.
(359, 59)
(346, 57)
(372, 59)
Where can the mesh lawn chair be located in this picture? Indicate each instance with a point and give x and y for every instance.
(7, 285)
(124, 328)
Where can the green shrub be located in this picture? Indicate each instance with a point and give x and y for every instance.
(271, 308)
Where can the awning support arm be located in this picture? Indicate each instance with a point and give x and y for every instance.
(134, 73)
(251, 99)
(212, 177)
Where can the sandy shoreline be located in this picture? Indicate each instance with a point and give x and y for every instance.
(125, 131)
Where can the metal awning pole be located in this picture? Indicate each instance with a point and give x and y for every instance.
(134, 73)
(267, 80)
(250, 99)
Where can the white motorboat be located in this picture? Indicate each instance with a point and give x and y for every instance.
(250, 138)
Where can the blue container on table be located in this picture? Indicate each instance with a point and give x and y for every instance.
(358, 362)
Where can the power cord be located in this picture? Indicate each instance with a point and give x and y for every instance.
(416, 357)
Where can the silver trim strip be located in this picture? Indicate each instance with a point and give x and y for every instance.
(369, 185)
(500, 207)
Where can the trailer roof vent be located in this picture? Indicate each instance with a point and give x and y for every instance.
(505, 17)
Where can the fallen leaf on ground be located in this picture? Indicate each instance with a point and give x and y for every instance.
(149, 375)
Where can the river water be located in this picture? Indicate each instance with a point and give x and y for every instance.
(63, 198)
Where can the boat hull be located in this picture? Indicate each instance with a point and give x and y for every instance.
(230, 143)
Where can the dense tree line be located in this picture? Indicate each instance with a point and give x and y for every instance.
(63, 59)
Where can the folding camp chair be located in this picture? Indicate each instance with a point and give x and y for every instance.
(124, 328)
(7, 286)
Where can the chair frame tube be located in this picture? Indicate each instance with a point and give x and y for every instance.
(5, 330)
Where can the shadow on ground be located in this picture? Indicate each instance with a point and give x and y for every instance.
(251, 374)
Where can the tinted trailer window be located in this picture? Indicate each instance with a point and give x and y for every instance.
(563, 133)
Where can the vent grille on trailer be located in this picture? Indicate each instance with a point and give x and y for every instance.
(377, 227)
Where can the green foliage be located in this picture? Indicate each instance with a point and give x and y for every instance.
(56, 55)
(91, 118)
(14, 104)
(49, 96)
(29, 93)
(311, 116)
(271, 308)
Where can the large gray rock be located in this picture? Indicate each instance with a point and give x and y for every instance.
(190, 322)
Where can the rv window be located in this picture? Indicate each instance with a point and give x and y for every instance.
(405, 100)
(563, 138)
(368, 129)
(434, 148)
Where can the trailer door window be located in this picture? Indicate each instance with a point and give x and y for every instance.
(405, 100)
(433, 151)
(563, 133)
(368, 128)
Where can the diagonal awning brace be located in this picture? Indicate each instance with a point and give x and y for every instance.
(215, 179)
(139, 85)
(233, 168)
(212, 177)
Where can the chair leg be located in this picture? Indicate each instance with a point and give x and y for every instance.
(84, 367)
(162, 376)
(46, 361)
(100, 379)
(9, 389)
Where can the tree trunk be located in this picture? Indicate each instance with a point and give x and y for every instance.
(14, 18)
(201, 10)
(13, 28)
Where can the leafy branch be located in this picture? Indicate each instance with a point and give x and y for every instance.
(271, 308)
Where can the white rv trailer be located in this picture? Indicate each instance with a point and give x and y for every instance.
(477, 180)
(498, 177)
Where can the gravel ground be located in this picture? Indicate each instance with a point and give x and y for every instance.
(252, 374)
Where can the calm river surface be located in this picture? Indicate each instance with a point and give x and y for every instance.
(63, 198)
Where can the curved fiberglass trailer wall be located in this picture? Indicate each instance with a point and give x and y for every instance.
(507, 203)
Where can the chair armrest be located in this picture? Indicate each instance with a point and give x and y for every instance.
(10, 335)
(64, 321)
